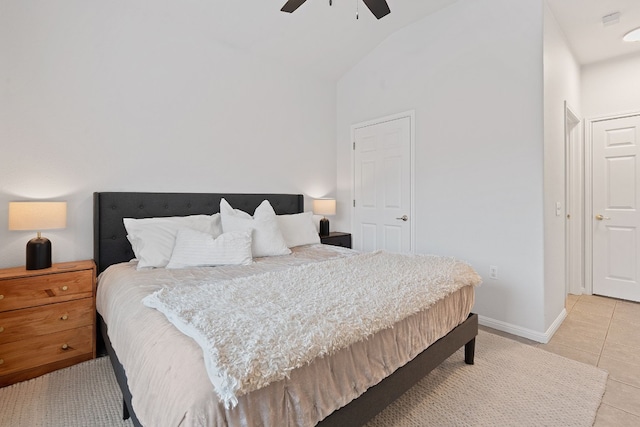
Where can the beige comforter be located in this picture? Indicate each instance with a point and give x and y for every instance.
(166, 371)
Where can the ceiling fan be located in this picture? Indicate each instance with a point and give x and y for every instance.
(379, 8)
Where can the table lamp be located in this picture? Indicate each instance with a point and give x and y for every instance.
(38, 216)
(324, 207)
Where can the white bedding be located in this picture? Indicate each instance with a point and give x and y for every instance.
(166, 372)
(255, 330)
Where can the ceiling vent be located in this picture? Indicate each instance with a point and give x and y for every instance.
(611, 19)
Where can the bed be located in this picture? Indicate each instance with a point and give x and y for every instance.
(111, 247)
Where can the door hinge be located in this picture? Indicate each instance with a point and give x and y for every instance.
(354, 145)
(354, 203)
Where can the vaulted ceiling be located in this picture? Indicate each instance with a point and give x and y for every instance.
(328, 40)
(320, 39)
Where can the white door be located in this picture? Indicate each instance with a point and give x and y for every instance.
(574, 181)
(615, 214)
(382, 186)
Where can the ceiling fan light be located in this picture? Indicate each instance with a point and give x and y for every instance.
(632, 36)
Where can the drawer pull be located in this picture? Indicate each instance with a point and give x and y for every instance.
(1, 361)
(64, 317)
(65, 346)
(1, 329)
(65, 287)
(1, 296)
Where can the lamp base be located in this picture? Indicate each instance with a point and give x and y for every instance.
(324, 227)
(38, 253)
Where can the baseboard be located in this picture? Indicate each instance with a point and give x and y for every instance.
(555, 325)
(541, 337)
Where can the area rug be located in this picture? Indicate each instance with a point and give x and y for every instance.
(511, 384)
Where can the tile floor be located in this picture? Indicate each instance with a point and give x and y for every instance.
(603, 332)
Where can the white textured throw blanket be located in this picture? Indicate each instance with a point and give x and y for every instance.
(255, 330)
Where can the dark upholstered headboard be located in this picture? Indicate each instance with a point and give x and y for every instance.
(110, 244)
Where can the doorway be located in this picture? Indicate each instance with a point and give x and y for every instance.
(383, 184)
(574, 183)
(614, 217)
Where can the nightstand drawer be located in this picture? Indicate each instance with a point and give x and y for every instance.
(337, 238)
(15, 325)
(33, 352)
(46, 289)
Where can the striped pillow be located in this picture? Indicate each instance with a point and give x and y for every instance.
(197, 249)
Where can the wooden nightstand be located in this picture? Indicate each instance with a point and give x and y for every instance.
(337, 238)
(47, 319)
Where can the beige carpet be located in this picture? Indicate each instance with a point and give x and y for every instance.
(511, 384)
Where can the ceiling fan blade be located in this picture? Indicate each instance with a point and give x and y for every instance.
(292, 5)
(379, 8)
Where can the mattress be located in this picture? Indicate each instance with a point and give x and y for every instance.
(166, 372)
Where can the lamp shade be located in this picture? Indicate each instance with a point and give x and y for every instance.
(37, 216)
(324, 207)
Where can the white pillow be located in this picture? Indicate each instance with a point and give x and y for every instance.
(197, 249)
(298, 229)
(152, 239)
(267, 239)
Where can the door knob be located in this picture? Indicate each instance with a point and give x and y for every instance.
(404, 218)
(601, 217)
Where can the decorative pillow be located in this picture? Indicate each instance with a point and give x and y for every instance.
(152, 239)
(197, 249)
(267, 239)
(298, 229)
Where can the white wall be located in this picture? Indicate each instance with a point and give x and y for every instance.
(473, 74)
(611, 87)
(121, 96)
(561, 83)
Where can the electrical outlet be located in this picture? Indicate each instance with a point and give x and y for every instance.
(493, 272)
